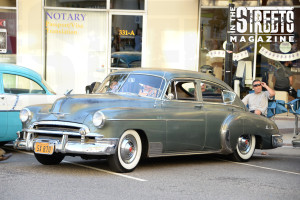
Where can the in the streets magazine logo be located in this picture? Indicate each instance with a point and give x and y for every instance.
(266, 24)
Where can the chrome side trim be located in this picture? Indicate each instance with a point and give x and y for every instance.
(195, 120)
(183, 153)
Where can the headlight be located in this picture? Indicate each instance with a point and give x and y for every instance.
(98, 119)
(25, 115)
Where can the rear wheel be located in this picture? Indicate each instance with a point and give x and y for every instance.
(128, 152)
(53, 159)
(245, 148)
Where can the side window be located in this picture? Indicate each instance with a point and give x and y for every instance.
(182, 90)
(15, 84)
(211, 92)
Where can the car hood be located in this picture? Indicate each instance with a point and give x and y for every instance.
(75, 108)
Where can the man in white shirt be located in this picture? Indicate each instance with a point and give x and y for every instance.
(258, 101)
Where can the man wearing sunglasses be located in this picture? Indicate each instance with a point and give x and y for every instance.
(258, 101)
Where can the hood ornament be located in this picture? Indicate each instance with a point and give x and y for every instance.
(68, 92)
(60, 115)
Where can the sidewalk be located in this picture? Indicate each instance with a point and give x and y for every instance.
(286, 125)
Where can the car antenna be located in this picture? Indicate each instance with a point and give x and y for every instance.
(68, 92)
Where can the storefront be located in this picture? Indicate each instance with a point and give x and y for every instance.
(82, 38)
(8, 31)
(256, 56)
(73, 43)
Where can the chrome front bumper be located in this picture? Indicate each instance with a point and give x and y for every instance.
(103, 146)
(277, 141)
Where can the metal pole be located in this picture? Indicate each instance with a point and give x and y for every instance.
(229, 51)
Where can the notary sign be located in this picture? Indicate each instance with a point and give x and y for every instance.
(66, 22)
(269, 24)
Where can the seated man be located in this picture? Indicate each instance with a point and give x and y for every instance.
(258, 101)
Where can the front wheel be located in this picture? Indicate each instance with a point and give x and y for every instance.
(244, 148)
(53, 159)
(128, 152)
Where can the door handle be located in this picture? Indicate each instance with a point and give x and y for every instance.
(231, 109)
(198, 106)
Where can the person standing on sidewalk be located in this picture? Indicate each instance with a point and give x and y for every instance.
(258, 101)
(4, 155)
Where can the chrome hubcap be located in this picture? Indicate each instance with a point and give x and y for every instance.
(244, 144)
(128, 149)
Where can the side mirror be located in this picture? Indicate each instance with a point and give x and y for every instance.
(89, 89)
(170, 96)
(228, 96)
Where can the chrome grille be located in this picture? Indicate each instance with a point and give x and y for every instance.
(50, 127)
(57, 128)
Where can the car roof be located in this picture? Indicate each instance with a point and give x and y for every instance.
(11, 68)
(174, 73)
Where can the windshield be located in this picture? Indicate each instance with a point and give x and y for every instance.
(137, 84)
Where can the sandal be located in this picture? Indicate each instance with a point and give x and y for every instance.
(5, 156)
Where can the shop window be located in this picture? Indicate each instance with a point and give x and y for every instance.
(98, 4)
(279, 2)
(8, 32)
(127, 4)
(15, 84)
(213, 35)
(8, 3)
(76, 48)
(225, 3)
(126, 41)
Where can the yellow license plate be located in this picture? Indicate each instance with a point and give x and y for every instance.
(44, 148)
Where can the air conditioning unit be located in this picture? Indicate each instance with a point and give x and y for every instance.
(3, 40)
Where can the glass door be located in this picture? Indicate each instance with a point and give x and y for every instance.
(126, 41)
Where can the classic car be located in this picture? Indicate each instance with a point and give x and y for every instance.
(126, 59)
(138, 113)
(19, 87)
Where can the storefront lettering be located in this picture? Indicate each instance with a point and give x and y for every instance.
(66, 16)
(64, 23)
(267, 38)
(274, 23)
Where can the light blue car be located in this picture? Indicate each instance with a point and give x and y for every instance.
(19, 87)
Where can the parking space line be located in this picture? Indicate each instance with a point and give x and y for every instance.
(105, 171)
(267, 168)
(94, 168)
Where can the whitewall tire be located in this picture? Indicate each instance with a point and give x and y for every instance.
(244, 148)
(128, 152)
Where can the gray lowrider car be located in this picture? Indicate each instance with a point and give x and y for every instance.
(146, 113)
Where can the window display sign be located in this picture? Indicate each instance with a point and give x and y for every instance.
(221, 54)
(279, 57)
(272, 24)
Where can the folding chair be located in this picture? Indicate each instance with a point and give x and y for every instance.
(294, 109)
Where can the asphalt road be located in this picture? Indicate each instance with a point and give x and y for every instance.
(272, 176)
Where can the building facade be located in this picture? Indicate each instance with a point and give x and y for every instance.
(71, 42)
